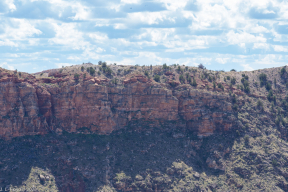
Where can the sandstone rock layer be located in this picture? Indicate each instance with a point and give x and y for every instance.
(95, 106)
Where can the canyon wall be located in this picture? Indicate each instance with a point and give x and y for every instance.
(30, 107)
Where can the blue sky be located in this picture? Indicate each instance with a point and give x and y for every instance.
(242, 34)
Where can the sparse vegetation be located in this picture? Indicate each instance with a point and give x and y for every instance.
(157, 78)
(201, 66)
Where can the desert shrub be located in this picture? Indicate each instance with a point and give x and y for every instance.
(115, 81)
(179, 69)
(76, 76)
(82, 68)
(165, 67)
(220, 86)
(104, 64)
(235, 107)
(268, 86)
(157, 78)
(283, 71)
(188, 78)
(233, 80)
(233, 70)
(234, 99)
(91, 71)
(108, 71)
(259, 103)
(146, 73)
(214, 84)
(182, 79)
(246, 139)
(201, 66)
(210, 78)
(99, 73)
(194, 83)
(99, 62)
(270, 96)
(263, 79)
(228, 77)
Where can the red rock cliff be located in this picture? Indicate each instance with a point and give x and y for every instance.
(93, 105)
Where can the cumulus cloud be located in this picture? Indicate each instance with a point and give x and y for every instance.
(241, 34)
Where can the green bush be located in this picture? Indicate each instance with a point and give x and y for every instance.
(209, 78)
(165, 67)
(182, 79)
(245, 83)
(283, 71)
(220, 86)
(146, 73)
(157, 78)
(233, 80)
(104, 64)
(235, 107)
(115, 81)
(259, 103)
(194, 83)
(228, 77)
(234, 99)
(214, 85)
(263, 79)
(233, 70)
(91, 71)
(76, 76)
(271, 97)
(268, 86)
(82, 68)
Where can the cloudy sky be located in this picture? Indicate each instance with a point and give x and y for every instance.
(221, 34)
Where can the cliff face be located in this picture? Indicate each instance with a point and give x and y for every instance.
(31, 107)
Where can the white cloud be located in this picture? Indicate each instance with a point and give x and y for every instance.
(247, 67)
(242, 38)
(130, 1)
(261, 46)
(69, 36)
(10, 4)
(174, 35)
(222, 60)
(280, 48)
(7, 66)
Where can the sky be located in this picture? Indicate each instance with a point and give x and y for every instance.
(245, 35)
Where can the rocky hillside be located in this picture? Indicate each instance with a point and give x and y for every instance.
(144, 128)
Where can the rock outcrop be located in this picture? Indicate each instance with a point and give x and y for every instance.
(38, 106)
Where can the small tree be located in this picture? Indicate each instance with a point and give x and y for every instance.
(194, 83)
(82, 68)
(104, 64)
(233, 81)
(201, 66)
(157, 78)
(182, 78)
(220, 86)
(99, 62)
(92, 71)
(283, 71)
(76, 76)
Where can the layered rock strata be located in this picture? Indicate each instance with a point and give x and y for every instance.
(93, 105)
